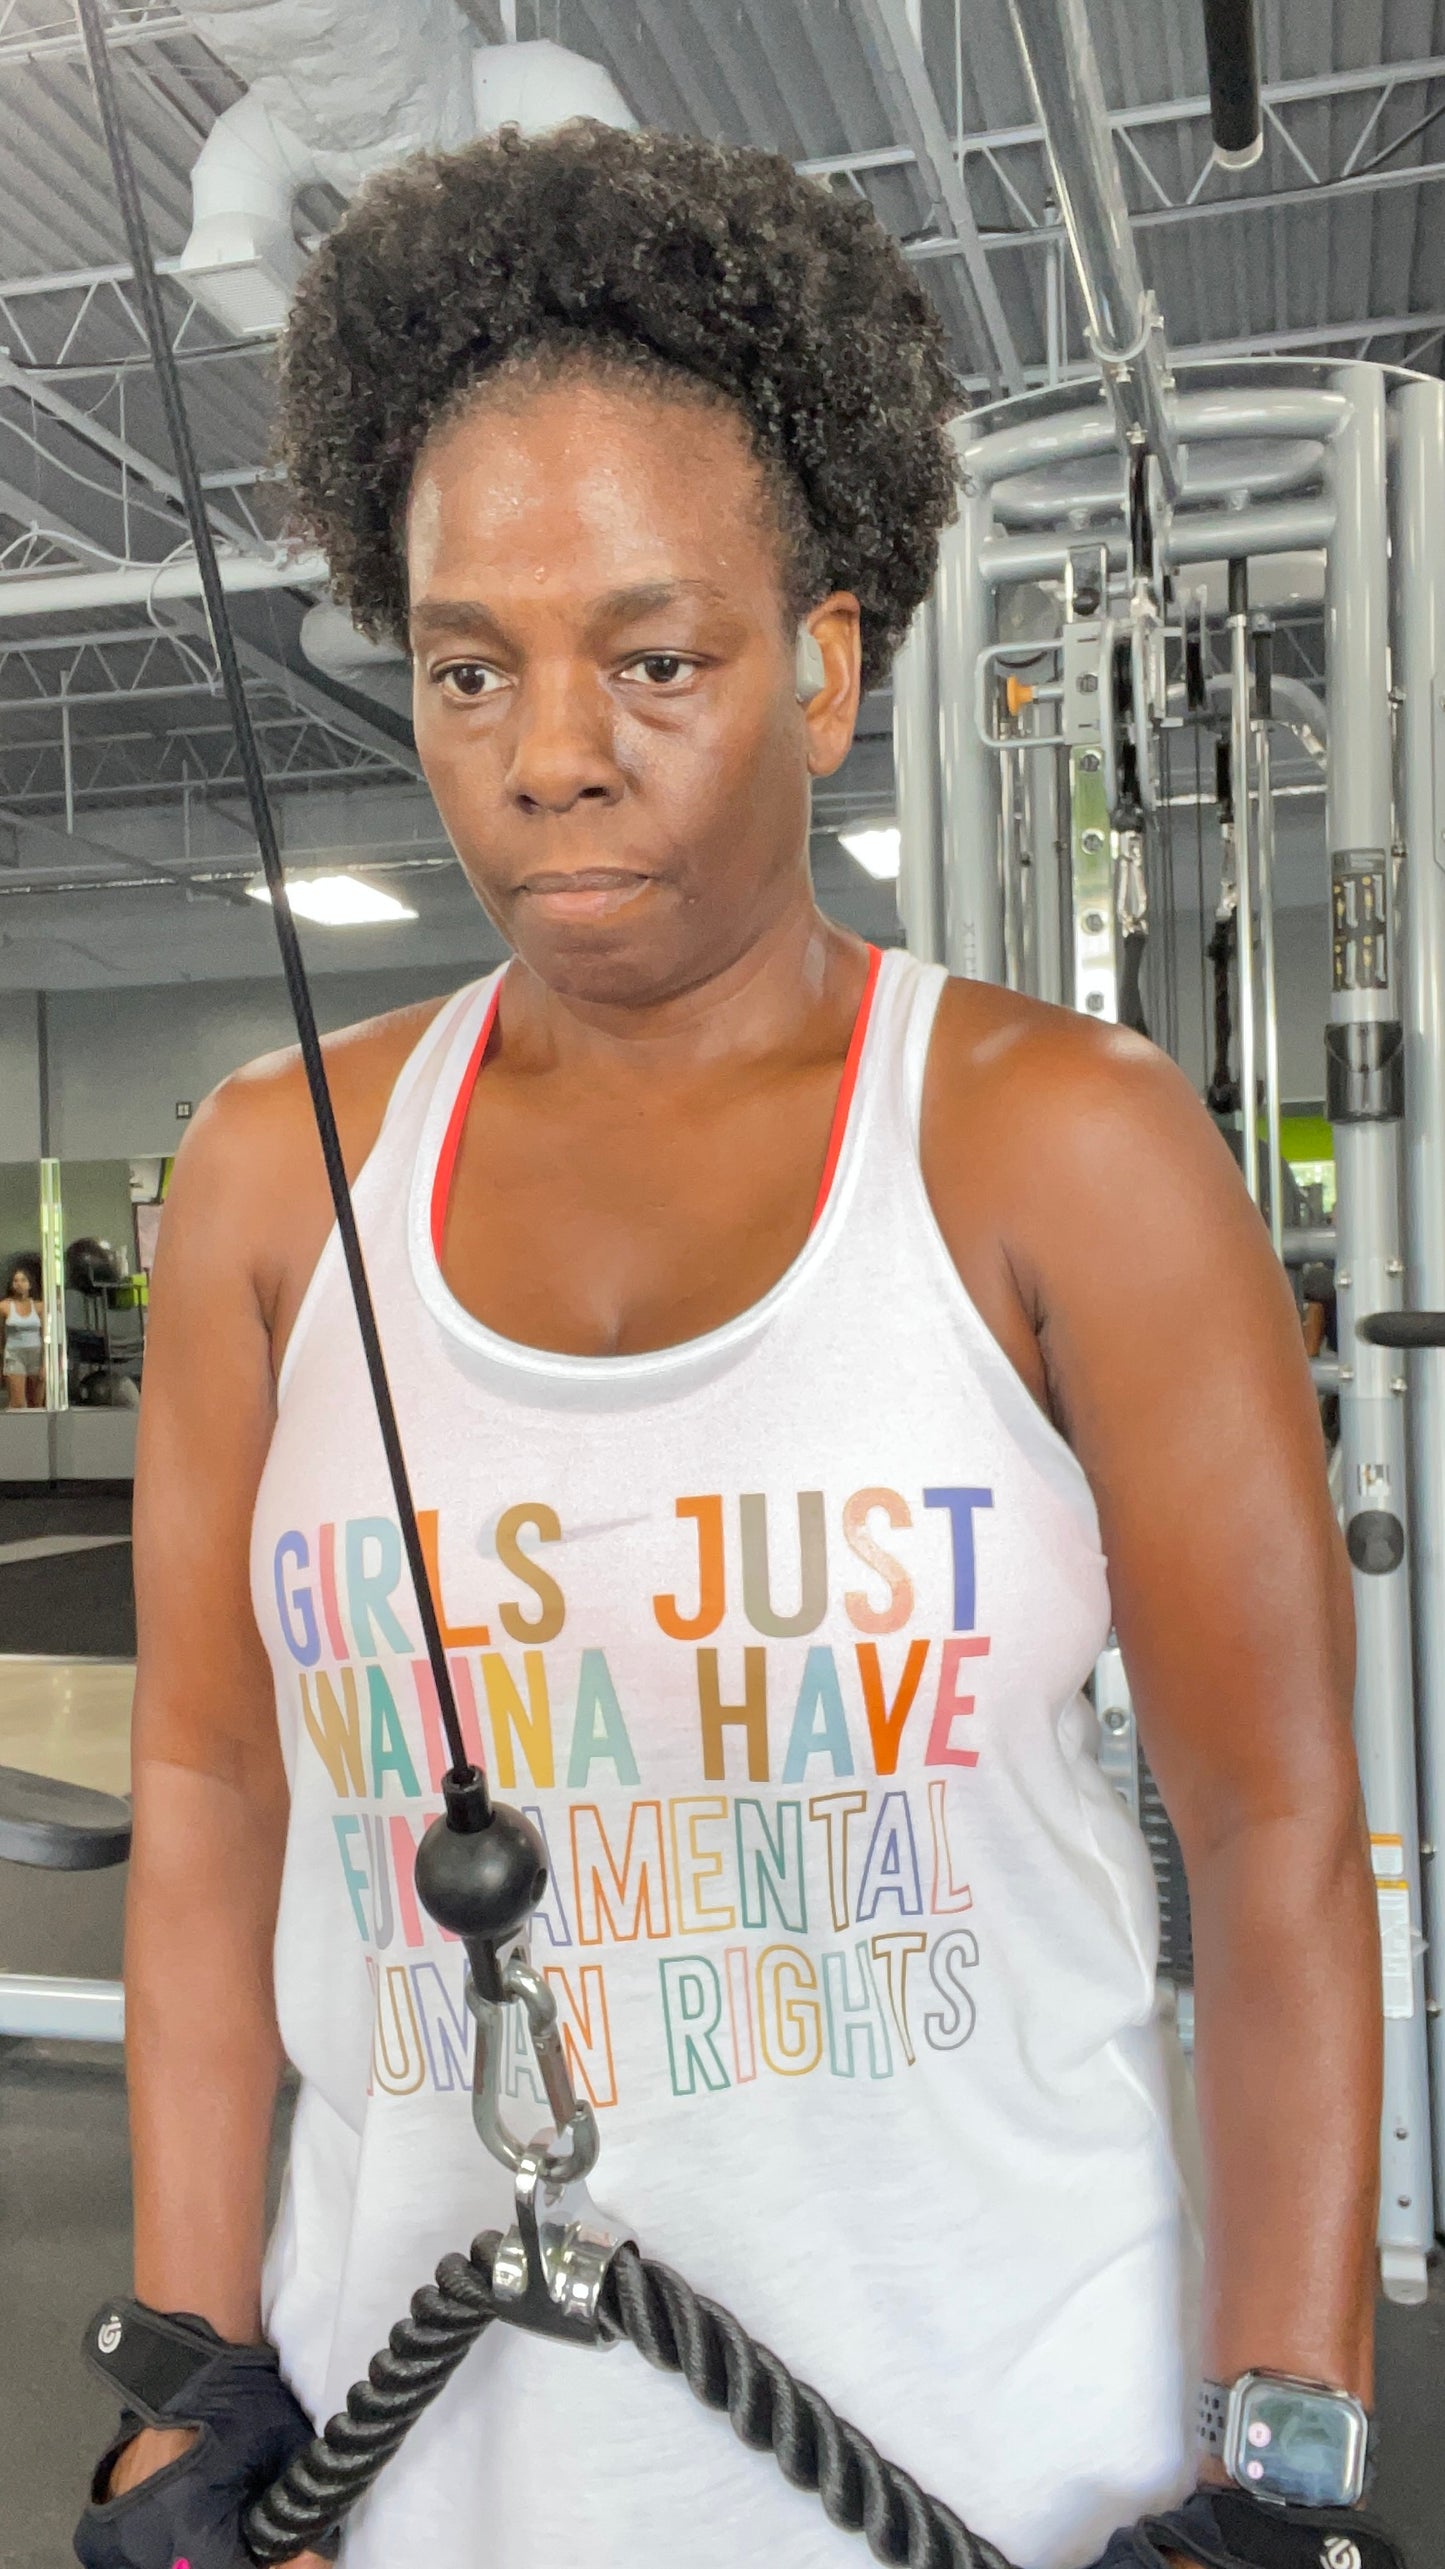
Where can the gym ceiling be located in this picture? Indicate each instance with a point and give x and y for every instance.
(124, 848)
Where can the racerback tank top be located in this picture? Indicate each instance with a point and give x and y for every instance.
(22, 1329)
(779, 1635)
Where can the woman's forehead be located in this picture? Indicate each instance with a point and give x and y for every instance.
(578, 467)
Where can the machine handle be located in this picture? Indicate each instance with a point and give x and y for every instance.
(1402, 1329)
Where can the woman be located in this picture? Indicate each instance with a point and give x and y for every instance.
(785, 1347)
(23, 1314)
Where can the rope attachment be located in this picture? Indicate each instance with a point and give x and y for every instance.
(674, 2328)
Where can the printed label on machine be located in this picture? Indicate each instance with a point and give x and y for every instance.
(1392, 1894)
(1360, 915)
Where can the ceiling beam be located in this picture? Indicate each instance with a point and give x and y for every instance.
(904, 75)
(1424, 326)
(92, 432)
(18, 51)
(147, 585)
(72, 845)
(1366, 83)
(1209, 209)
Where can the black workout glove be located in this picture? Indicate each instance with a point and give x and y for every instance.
(1228, 2529)
(173, 2370)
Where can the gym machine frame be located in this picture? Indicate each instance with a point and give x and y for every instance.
(1305, 458)
(1385, 1043)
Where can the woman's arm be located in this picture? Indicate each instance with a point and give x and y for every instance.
(203, 2055)
(1119, 1208)
(245, 1221)
(1232, 1603)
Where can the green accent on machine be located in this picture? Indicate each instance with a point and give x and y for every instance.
(1309, 1148)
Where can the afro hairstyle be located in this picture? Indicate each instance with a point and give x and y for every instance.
(716, 269)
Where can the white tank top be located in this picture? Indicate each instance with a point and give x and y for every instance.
(779, 1636)
(22, 1328)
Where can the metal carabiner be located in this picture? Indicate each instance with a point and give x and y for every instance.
(572, 2117)
(553, 2262)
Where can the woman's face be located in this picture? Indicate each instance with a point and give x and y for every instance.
(20, 1284)
(604, 690)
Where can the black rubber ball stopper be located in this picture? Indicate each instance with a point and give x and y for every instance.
(482, 1883)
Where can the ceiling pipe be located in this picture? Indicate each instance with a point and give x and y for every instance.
(333, 645)
(36, 593)
(1236, 117)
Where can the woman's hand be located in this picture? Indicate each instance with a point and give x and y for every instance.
(147, 2453)
(151, 2450)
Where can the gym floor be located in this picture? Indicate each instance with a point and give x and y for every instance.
(66, 1639)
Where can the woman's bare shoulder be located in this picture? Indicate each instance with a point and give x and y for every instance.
(250, 1174)
(363, 1063)
(1041, 1125)
(1016, 1072)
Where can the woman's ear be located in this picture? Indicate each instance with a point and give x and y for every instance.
(834, 674)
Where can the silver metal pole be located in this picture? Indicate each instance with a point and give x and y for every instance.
(1086, 426)
(1270, 981)
(52, 1271)
(1011, 860)
(916, 788)
(1365, 1093)
(1057, 45)
(1054, 291)
(1420, 672)
(1239, 730)
(66, 754)
(1041, 788)
(1198, 535)
(968, 772)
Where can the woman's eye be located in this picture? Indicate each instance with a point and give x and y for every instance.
(662, 668)
(471, 678)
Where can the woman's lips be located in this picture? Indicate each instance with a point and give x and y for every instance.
(591, 893)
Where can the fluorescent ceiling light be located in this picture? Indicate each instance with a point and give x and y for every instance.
(877, 851)
(337, 900)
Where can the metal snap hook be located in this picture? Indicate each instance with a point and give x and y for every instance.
(550, 2268)
(574, 2123)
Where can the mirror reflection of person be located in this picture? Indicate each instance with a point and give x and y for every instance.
(23, 1313)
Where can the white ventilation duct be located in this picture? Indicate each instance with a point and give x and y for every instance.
(337, 89)
(381, 669)
(541, 86)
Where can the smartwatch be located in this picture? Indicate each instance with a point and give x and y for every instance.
(1288, 2441)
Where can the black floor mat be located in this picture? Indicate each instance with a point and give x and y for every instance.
(76, 1605)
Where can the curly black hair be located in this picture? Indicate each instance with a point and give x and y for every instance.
(693, 260)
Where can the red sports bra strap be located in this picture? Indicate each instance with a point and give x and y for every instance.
(848, 1084)
(452, 1138)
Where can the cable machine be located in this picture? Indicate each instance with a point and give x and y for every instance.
(1226, 468)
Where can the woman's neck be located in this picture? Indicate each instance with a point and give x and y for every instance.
(759, 1004)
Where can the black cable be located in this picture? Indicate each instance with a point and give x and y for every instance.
(1132, 1011)
(1222, 1095)
(128, 197)
(677, 2330)
(1199, 878)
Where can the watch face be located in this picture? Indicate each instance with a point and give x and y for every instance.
(1298, 2444)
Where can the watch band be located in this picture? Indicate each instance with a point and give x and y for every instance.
(1211, 2416)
